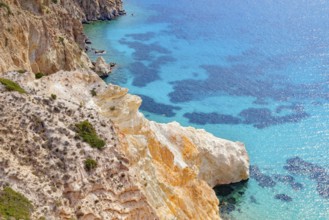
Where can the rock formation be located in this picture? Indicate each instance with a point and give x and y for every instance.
(102, 68)
(47, 35)
(43, 159)
(147, 170)
(100, 9)
(173, 168)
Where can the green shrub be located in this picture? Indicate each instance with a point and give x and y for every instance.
(93, 92)
(11, 85)
(4, 5)
(88, 134)
(61, 40)
(90, 164)
(55, 1)
(39, 75)
(21, 71)
(14, 204)
(53, 96)
(112, 108)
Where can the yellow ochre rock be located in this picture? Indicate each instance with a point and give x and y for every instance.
(173, 167)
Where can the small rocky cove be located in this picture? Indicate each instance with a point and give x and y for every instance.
(74, 147)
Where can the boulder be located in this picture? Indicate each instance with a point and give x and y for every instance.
(88, 41)
(102, 68)
(100, 51)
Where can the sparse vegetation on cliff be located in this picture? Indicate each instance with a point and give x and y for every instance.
(39, 75)
(11, 85)
(93, 92)
(61, 40)
(88, 134)
(53, 96)
(14, 205)
(21, 71)
(4, 5)
(90, 164)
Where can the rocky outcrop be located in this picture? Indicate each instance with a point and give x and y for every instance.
(147, 170)
(100, 9)
(102, 68)
(173, 167)
(47, 36)
(42, 157)
(219, 161)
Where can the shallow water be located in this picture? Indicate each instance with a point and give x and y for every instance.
(249, 71)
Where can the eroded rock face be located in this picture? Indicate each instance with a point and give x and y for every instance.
(219, 161)
(147, 170)
(100, 9)
(41, 157)
(174, 167)
(43, 36)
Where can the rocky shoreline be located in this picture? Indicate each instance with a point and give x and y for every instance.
(144, 169)
(47, 35)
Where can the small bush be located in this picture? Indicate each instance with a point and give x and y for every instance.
(93, 92)
(53, 96)
(112, 108)
(39, 75)
(4, 5)
(90, 164)
(21, 71)
(88, 134)
(14, 204)
(11, 85)
(55, 1)
(61, 40)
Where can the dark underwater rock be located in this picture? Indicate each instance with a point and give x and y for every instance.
(296, 186)
(262, 179)
(298, 166)
(253, 199)
(283, 197)
(284, 178)
(227, 208)
(223, 190)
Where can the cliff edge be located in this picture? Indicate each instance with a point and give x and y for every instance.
(78, 148)
(169, 167)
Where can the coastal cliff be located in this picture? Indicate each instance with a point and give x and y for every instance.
(47, 35)
(173, 168)
(144, 169)
(42, 158)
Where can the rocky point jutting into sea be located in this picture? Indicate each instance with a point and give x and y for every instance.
(137, 169)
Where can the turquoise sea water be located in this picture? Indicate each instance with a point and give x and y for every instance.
(249, 71)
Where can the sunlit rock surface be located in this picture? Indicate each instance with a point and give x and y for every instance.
(173, 168)
(47, 36)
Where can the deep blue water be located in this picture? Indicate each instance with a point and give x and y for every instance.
(249, 71)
